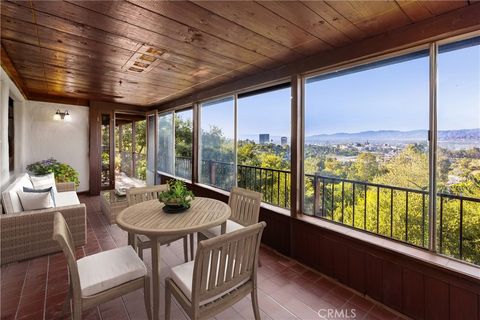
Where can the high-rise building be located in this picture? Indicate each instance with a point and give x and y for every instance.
(283, 141)
(264, 138)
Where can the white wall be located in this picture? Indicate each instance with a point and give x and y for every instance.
(8, 89)
(67, 142)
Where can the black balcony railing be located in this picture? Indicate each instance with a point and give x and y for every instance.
(183, 167)
(389, 211)
(398, 213)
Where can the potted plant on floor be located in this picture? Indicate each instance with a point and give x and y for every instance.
(177, 198)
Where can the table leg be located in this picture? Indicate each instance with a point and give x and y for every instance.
(223, 228)
(155, 277)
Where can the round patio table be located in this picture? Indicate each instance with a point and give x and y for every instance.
(149, 219)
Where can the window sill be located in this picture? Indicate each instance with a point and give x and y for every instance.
(218, 190)
(171, 176)
(437, 260)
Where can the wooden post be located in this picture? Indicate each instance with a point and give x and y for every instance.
(134, 149)
(296, 146)
(196, 144)
(111, 151)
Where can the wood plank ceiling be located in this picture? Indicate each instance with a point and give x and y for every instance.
(149, 52)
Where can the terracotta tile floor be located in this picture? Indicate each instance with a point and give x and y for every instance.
(36, 289)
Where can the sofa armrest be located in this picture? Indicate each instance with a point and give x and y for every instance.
(65, 186)
(28, 234)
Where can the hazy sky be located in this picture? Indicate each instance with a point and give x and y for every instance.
(393, 97)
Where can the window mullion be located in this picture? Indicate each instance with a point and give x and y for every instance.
(432, 155)
(235, 143)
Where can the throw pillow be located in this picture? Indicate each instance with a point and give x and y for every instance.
(49, 189)
(35, 200)
(43, 182)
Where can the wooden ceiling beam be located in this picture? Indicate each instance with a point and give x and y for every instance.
(454, 23)
(12, 72)
(37, 96)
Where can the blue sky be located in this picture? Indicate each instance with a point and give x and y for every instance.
(394, 97)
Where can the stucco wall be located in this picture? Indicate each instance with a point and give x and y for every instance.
(65, 141)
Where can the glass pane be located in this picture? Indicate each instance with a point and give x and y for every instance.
(165, 143)
(366, 147)
(140, 150)
(105, 132)
(217, 158)
(183, 143)
(263, 151)
(123, 162)
(151, 151)
(458, 156)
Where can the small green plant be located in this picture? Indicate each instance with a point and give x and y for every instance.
(177, 194)
(62, 171)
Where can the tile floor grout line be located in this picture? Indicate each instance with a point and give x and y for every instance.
(23, 286)
(46, 288)
(125, 308)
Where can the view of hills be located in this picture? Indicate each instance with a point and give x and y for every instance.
(395, 135)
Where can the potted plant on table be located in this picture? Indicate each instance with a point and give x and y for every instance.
(177, 198)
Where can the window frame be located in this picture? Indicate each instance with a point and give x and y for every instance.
(432, 48)
(173, 112)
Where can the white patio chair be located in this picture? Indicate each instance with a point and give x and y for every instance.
(223, 272)
(100, 277)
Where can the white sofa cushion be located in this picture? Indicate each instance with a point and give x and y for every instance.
(108, 269)
(67, 198)
(43, 182)
(11, 201)
(216, 231)
(182, 275)
(35, 200)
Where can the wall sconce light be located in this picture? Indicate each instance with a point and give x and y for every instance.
(62, 115)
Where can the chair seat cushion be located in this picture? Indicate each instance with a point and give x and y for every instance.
(182, 275)
(108, 269)
(67, 198)
(216, 231)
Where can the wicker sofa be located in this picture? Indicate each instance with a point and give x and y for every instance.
(28, 234)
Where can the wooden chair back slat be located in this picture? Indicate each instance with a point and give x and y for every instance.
(231, 249)
(225, 261)
(137, 195)
(245, 206)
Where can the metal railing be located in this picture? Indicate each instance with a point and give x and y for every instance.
(132, 163)
(398, 213)
(273, 184)
(393, 212)
(183, 167)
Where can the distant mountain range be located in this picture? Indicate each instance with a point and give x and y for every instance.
(395, 135)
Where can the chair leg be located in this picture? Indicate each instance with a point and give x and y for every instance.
(168, 299)
(256, 311)
(146, 296)
(77, 312)
(192, 244)
(140, 252)
(66, 304)
(185, 248)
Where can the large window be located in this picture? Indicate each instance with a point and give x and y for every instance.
(458, 160)
(217, 147)
(366, 147)
(165, 143)
(183, 143)
(263, 147)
